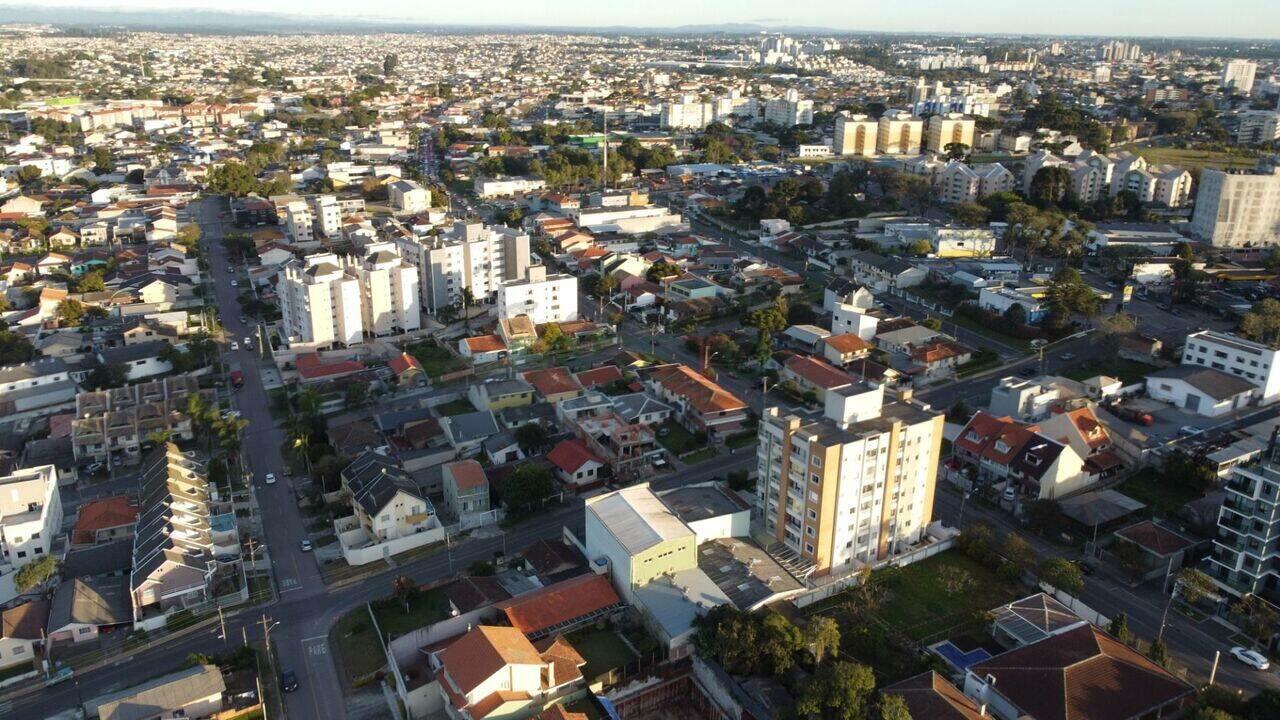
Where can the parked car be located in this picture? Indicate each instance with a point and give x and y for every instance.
(1010, 494)
(288, 681)
(1251, 658)
(306, 546)
(1067, 356)
(94, 468)
(270, 479)
(235, 345)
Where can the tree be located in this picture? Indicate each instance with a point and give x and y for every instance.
(405, 589)
(28, 174)
(526, 489)
(1263, 706)
(604, 286)
(1262, 322)
(893, 707)
(389, 63)
(102, 160)
(662, 269)
(822, 635)
(1258, 618)
(1119, 628)
(1050, 186)
(35, 573)
(532, 437)
(1158, 653)
(764, 348)
(932, 323)
(1062, 574)
(103, 377)
(1202, 712)
(1017, 551)
(188, 235)
(955, 150)
(838, 691)
(90, 282)
(1016, 315)
(971, 214)
(234, 179)
(780, 641)
(919, 248)
(356, 394)
(772, 319)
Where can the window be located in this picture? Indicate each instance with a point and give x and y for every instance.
(84, 630)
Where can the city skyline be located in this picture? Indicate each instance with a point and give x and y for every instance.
(1250, 19)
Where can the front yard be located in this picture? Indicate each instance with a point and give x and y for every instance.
(675, 438)
(436, 360)
(425, 607)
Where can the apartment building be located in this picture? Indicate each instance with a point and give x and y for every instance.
(854, 486)
(408, 197)
(544, 298)
(390, 301)
(320, 304)
(1236, 356)
(687, 113)
(959, 182)
(1238, 75)
(1245, 558)
(950, 128)
(299, 222)
(473, 256)
(1237, 209)
(789, 110)
(30, 515)
(855, 135)
(1258, 126)
(899, 133)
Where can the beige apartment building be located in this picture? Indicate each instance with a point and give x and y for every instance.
(950, 128)
(853, 487)
(899, 133)
(856, 135)
(1237, 209)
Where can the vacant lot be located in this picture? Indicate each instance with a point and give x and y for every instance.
(436, 361)
(1162, 496)
(1190, 158)
(929, 598)
(357, 644)
(604, 650)
(1128, 371)
(425, 608)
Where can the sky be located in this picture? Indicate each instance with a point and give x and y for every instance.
(1203, 18)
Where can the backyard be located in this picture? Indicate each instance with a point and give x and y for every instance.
(436, 360)
(930, 598)
(675, 438)
(1149, 486)
(604, 650)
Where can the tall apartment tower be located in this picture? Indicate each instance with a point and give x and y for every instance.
(1245, 559)
(950, 128)
(853, 486)
(856, 135)
(1238, 75)
(899, 133)
(389, 298)
(319, 302)
(1238, 209)
(473, 256)
(327, 216)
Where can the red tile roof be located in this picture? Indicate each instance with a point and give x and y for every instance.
(485, 344)
(552, 381)
(109, 512)
(701, 393)
(311, 367)
(557, 712)
(848, 343)
(404, 363)
(1156, 539)
(560, 603)
(468, 474)
(475, 656)
(929, 695)
(571, 455)
(26, 621)
(603, 375)
(817, 372)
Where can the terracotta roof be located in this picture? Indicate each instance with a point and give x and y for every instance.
(101, 514)
(1159, 540)
(468, 474)
(1083, 674)
(403, 363)
(311, 367)
(1090, 428)
(595, 377)
(571, 455)
(560, 603)
(929, 695)
(494, 701)
(26, 621)
(557, 712)
(475, 656)
(847, 343)
(566, 662)
(552, 381)
(937, 351)
(485, 343)
(700, 392)
(817, 372)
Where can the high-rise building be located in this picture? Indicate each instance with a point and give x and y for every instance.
(544, 298)
(1245, 558)
(1258, 126)
(1238, 75)
(327, 215)
(789, 110)
(855, 135)
(899, 133)
(390, 302)
(950, 128)
(1238, 209)
(328, 300)
(853, 486)
(298, 221)
(689, 113)
(471, 256)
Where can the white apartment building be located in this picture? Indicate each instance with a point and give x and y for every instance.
(506, 186)
(544, 298)
(1238, 75)
(1173, 187)
(853, 488)
(319, 302)
(856, 135)
(408, 197)
(1258, 126)
(950, 128)
(899, 133)
(298, 222)
(959, 182)
(734, 105)
(327, 215)
(390, 301)
(687, 113)
(30, 514)
(1237, 356)
(471, 255)
(789, 110)
(1237, 209)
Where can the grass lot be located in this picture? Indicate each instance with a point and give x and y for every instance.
(358, 645)
(702, 455)
(436, 361)
(1163, 497)
(920, 606)
(23, 668)
(1189, 158)
(456, 407)
(603, 650)
(675, 438)
(982, 360)
(425, 608)
(259, 587)
(969, 323)
(1129, 371)
(742, 440)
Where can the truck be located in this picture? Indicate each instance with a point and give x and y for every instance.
(237, 379)
(1133, 415)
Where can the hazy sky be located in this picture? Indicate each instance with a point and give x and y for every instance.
(1219, 18)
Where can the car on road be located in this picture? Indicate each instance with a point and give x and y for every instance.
(235, 345)
(94, 468)
(306, 546)
(234, 283)
(231, 269)
(288, 681)
(270, 479)
(244, 320)
(1252, 658)
(248, 341)
(1067, 356)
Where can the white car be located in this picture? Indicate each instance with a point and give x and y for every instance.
(234, 283)
(235, 345)
(271, 479)
(1189, 431)
(1251, 658)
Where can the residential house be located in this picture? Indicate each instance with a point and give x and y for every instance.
(1000, 450)
(466, 488)
(387, 503)
(468, 431)
(576, 466)
(496, 672)
(700, 403)
(499, 394)
(813, 375)
(193, 692)
(22, 628)
(30, 515)
(554, 384)
(105, 520)
(881, 273)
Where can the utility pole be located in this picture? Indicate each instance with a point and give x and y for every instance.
(1214, 672)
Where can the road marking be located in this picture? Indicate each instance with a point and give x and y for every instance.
(318, 650)
(5, 708)
(316, 637)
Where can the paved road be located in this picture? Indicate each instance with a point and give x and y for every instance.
(1192, 643)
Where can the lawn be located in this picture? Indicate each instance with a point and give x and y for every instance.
(978, 327)
(1187, 158)
(920, 605)
(358, 645)
(436, 361)
(1165, 498)
(603, 650)
(460, 406)
(742, 440)
(1128, 371)
(425, 608)
(700, 456)
(675, 438)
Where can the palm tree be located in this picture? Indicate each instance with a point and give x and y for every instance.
(309, 401)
